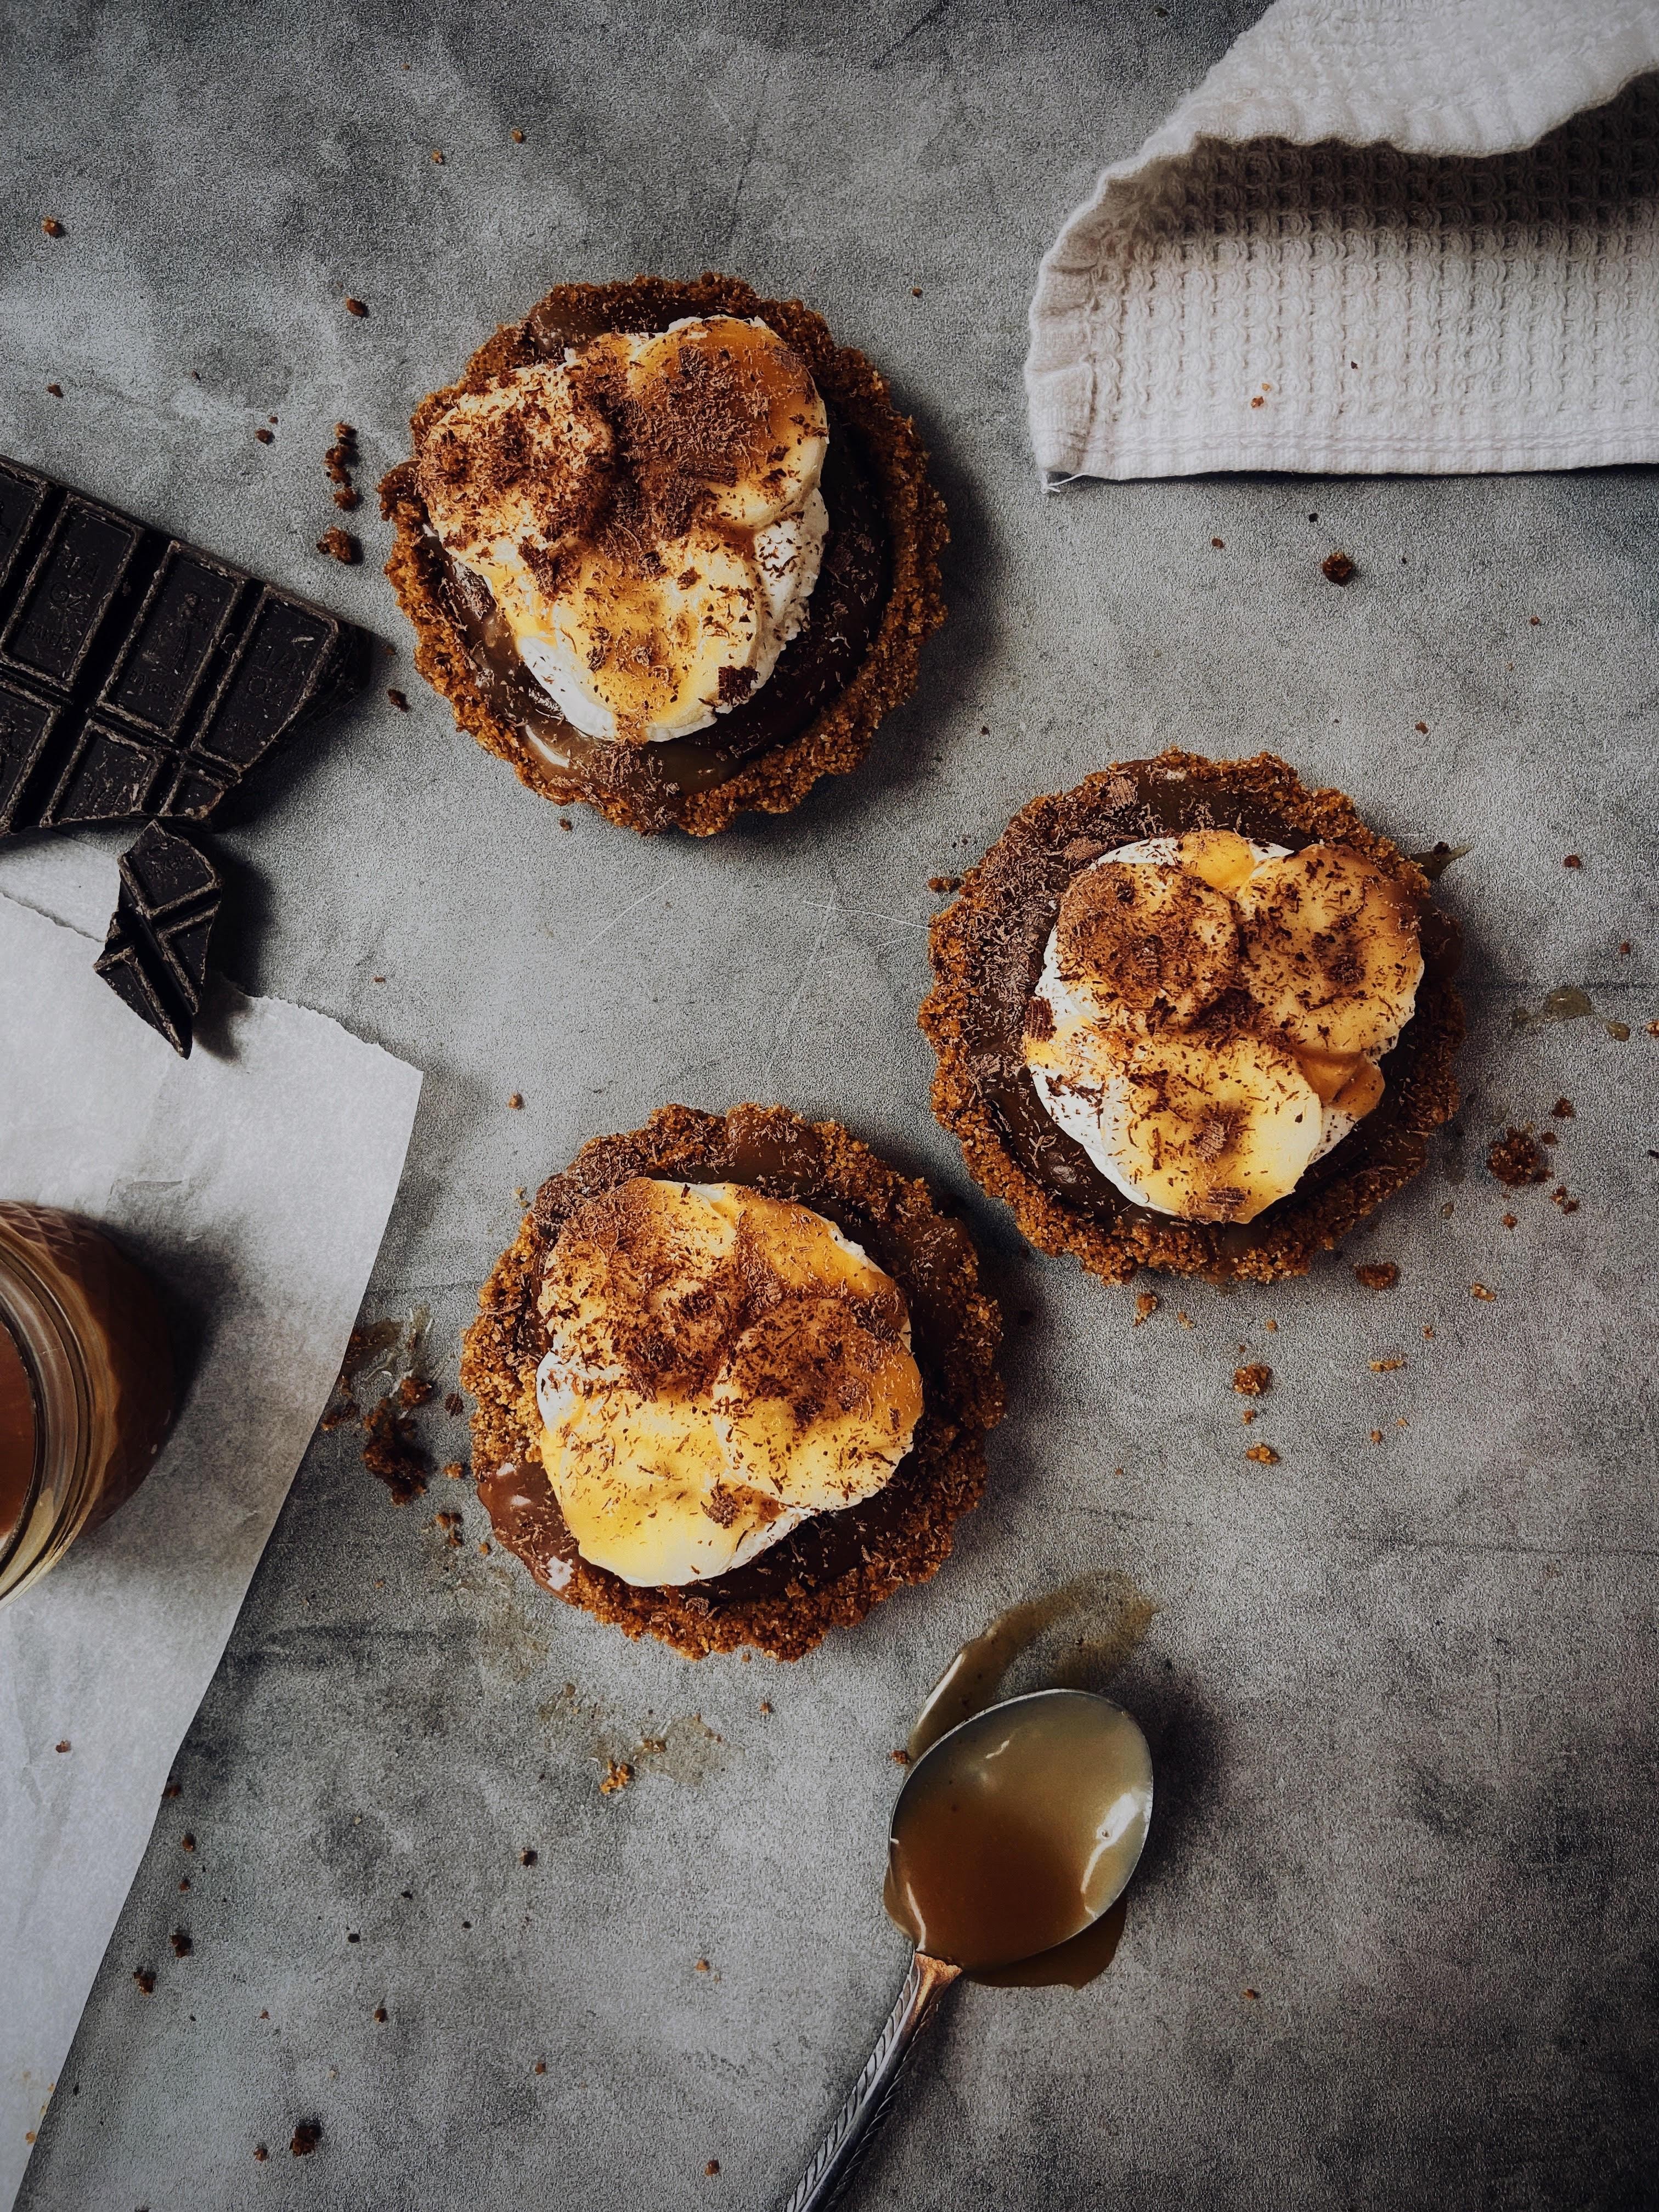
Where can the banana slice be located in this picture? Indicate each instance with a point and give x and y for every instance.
(814, 1407)
(1329, 951)
(1220, 858)
(745, 414)
(526, 463)
(1205, 1128)
(640, 1288)
(1145, 940)
(646, 1491)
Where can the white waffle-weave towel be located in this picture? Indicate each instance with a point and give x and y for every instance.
(1411, 235)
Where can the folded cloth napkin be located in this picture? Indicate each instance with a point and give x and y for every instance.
(1413, 235)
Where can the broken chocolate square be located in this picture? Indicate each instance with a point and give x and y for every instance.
(154, 957)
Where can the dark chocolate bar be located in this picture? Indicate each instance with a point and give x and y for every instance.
(155, 955)
(139, 675)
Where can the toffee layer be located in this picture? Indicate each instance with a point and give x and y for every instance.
(987, 950)
(829, 1572)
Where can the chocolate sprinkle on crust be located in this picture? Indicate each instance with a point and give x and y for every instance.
(776, 776)
(830, 1571)
(987, 950)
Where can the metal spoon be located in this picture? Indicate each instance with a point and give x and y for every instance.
(1018, 1829)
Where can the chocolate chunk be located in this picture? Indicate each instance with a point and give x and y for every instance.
(139, 675)
(154, 957)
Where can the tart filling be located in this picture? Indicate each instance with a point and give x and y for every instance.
(645, 515)
(722, 1366)
(1211, 1011)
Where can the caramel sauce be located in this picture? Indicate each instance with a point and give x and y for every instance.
(1019, 1830)
(19, 1433)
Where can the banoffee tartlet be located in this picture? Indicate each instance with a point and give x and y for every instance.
(1193, 1016)
(668, 550)
(733, 1380)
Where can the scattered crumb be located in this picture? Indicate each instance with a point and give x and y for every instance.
(63, 1746)
(565, 823)
(1184, 1319)
(185, 1884)
(766, 1704)
(1258, 401)
(263, 435)
(1386, 1366)
(50, 225)
(1624, 943)
(354, 306)
(1250, 1382)
(526, 1857)
(399, 699)
(182, 1945)
(1573, 861)
(187, 1842)
(1146, 1305)
(260, 2154)
(618, 1775)
(145, 1979)
(701, 1967)
(1376, 1435)
(1263, 1454)
(1559, 1197)
(1377, 1274)
(1536, 621)
(414, 1390)
(900, 1758)
(540, 2066)
(916, 294)
(1515, 1159)
(1253, 1993)
(1219, 543)
(455, 1471)
(515, 1100)
(1428, 1330)
(1271, 1327)
(1422, 729)
(1338, 567)
(453, 1403)
(1510, 1220)
(380, 2013)
(1479, 1291)
(306, 2137)
(940, 884)
(518, 137)
(437, 156)
(174, 1787)
(56, 390)
(1562, 1110)
(391, 1453)
(483, 1547)
(714, 2165)
(348, 501)
(1248, 1415)
(340, 545)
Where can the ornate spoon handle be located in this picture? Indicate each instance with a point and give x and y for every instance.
(872, 2094)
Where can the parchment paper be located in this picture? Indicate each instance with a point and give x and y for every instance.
(255, 1178)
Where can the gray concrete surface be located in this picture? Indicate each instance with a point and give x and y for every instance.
(1401, 1695)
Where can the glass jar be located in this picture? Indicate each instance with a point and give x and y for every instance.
(86, 1385)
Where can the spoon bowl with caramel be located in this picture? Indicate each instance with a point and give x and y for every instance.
(1015, 1832)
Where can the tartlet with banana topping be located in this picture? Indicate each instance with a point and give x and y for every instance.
(1193, 1016)
(733, 1380)
(667, 549)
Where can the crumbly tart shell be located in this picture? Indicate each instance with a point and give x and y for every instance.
(838, 739)
(987, 950)
(829, 1573)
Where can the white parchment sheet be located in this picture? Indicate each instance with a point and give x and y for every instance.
(255, 1178)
